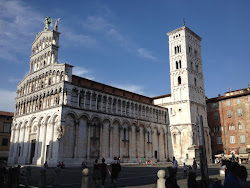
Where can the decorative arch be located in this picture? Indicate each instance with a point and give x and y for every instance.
(70, 112)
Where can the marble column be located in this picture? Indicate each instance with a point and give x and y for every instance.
(76, 140)
(110, 142)
(43, 155)
(89, 135)
(37, 140)
(12, 142)
(52, 140)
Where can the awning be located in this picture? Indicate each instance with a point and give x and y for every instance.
(244, 156)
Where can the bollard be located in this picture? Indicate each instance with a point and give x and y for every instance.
(42, 182)
(57, 180)
(28, 175)
(85, 178)
(161, 181)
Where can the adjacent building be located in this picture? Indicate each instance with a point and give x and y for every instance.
(229, 122)
(63, 117)
(5, 127)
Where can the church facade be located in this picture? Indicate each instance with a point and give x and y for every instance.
(62, 117)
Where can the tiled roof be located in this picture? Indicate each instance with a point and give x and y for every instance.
(2, 113)
(227, 97)
(161, 96)
(76, 80)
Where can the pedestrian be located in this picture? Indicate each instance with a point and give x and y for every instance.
(231, 180)
(171, 181)
(116, 168)
(104, 169)
(243, 177)
(192, 183)
(185, 170)
(216, 184)
(2, 172)
(194, 165)
(175, 164)
(96, 173)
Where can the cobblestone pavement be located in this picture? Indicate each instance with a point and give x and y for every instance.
(131, 176)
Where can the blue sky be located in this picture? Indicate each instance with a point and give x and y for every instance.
(124, 43)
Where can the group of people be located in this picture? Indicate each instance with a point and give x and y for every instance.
(100, 171)
(235, 176)
(61, 164)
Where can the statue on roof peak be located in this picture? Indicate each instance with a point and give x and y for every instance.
(48, 22)
(56, 24)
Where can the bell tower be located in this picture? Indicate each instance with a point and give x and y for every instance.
(187, 92)
(186, 66)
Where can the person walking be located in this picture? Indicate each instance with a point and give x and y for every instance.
(194, 165)
(184, 170)
(175, 164)
(116, 168)
(96, 173)
(104, 169)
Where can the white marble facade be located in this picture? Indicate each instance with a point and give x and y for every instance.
(62, 117)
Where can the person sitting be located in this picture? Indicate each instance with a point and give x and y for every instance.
(216, 184)
(84, 165)
(59, 164)
(231, 180)
(62, 165)
(171, 180)
(45, 165)
(192, 183)
(243, 177)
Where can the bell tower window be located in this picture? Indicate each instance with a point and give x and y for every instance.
(180, 64)
(177, 49)
(179, 80)
(176, 65)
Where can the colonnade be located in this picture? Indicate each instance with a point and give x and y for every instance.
(39, 102)
(92, 100)
(40, 82)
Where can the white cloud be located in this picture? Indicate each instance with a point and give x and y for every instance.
(7, 100)
(78, 39)
(97, 23)
(19, 23)
(100, 24)
(130, 87)
(146, 54)
(83, 72)
(14, 80)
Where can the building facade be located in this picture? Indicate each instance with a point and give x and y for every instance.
(63, 117)
(229, 122)
(5, 127)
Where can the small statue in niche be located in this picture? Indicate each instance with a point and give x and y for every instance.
(59, 132)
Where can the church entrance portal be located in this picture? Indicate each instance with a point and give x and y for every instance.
(32, 150)
(155, 154)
